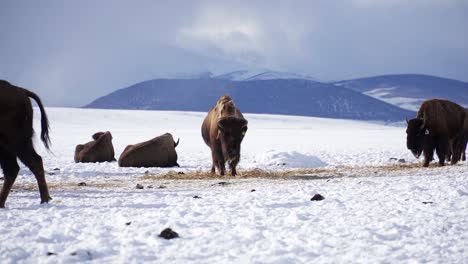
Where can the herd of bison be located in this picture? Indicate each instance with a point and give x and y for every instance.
(440, 124)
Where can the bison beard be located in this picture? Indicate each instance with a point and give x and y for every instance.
(223, 130)
(16, 131)
(438, 125)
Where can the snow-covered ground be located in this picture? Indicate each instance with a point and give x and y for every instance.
(376, 209)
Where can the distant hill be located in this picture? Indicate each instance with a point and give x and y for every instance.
(273, 96)
(409, 90)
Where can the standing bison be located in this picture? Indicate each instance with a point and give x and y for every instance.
(223, 130)
(98, 150)
(439, 123)
(157, 152)
(16, 131)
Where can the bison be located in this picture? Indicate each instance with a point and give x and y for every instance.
(223, 130)
(437, 125)
(98, 150)
(16, 131)
(157, 152)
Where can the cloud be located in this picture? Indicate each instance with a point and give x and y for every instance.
(73, 52)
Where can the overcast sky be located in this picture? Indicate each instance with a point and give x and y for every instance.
(71, 52)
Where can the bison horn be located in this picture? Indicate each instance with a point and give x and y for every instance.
(244, 130)
(407, 122)
(176, 143)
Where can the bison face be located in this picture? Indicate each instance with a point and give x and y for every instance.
(231, 132)
(415, 136)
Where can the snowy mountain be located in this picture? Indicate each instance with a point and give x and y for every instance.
(279, 96)
(409, 90)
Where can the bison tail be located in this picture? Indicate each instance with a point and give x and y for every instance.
(44, 120)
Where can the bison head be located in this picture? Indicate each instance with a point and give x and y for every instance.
(231, 131)
(416, 132)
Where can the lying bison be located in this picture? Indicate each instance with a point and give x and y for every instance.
(98, 150)
(16, 131)
(223, 130)
(157, 152)
(438, 124)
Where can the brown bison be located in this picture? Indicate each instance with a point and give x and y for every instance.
(98, 150)
(157, 152)
(438, 124)
(223, 130)
(16, 131)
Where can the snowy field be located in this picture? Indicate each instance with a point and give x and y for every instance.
(379, 206)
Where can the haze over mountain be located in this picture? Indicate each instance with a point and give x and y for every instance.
(273, 96)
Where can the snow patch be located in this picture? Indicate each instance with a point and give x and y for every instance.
(253, 75)
(290, 159)
(385, 94)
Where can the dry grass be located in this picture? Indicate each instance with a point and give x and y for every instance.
(254, 173)
(285, 174)
(312, 173)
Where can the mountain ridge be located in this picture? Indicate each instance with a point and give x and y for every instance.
(409, 90)
(276, 96)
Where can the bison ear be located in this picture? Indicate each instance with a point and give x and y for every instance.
(97, 135)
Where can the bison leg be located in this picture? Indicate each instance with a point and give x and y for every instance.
(441, 150)
(10, 171)
(218, 161)
(214, 162)
(232, 166)
(221, 167)
(428, 156)
(33, 161)
(448, 156)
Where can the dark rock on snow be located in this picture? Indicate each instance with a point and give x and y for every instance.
(317, 197)
(168, 234)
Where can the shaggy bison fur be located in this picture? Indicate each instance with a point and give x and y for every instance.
(98, 150)
(438, 125)
(223, 130)
(157, 152)
(16, 131)
(462, 140)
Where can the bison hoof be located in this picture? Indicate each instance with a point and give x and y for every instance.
(46, 200)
